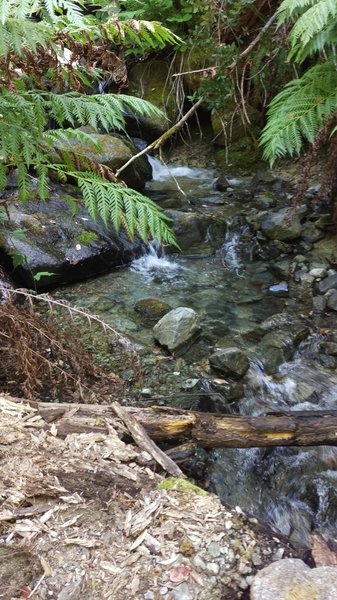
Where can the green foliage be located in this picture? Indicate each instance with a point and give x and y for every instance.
(122, 206)
(300, 110)
(27, 138)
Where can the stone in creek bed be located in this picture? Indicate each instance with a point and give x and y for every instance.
(152, 308)
(230, 361)
(177, 328)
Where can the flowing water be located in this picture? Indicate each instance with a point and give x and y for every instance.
(293, 489)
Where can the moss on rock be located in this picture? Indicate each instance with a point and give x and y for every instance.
(176, 483)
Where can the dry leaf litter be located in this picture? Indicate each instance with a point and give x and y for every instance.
(87, 517)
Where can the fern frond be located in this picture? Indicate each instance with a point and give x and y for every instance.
(299, 111)
(324, 40)
(139, 32)
(121, 206)
(292, 8)
(313, 21)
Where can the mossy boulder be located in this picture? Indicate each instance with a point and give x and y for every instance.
(150, 81)
(114, 151)
(279, 226)
(69, 246)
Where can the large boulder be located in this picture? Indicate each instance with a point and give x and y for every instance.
(113, 151)
(291, 578)
(70, 247)
(230, 361)
(279, 226)
(150, 81)
(177, 328)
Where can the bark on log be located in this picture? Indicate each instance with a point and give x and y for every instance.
(204, 429)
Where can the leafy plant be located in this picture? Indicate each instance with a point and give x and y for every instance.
(57, 32)
(299, 112)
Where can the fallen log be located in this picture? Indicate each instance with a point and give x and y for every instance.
(312, 428)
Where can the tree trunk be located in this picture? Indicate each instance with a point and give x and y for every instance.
(203, 429)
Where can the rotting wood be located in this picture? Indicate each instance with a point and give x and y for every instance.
(141, 438)
(206, 430)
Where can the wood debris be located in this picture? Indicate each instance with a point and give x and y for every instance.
(88, 515)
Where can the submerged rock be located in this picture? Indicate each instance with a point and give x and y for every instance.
(152, 308)
(230, 361)
(177, 328)
(292, 578)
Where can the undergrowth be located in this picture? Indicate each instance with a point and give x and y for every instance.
(43, 360)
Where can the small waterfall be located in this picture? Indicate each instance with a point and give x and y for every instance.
(154, 265)
(231, 250)
(162, 172)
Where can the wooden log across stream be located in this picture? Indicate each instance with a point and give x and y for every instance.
(206, 430)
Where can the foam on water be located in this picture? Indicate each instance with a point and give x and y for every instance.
(161, 172)
(154, 264)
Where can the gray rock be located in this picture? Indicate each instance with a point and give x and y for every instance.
(277, 226)
(332, 300)
(329, 283)
(292, 578)
(279, 289)
(319, 304)
(113, 152)
(189, 227)
(230, 361)
(72, 591)
(69, 247)
(318, 272)
(177, 328)
(329, 348)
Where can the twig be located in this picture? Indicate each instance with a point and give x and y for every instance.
(255, 41)
(214, 68)
(162, 139)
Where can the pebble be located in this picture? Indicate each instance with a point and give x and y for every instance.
(198, 562)
(214, 550)
(212, 568)
(182, 592)
(189, 384)
(318, 273)
(163, 590)
(278, 554)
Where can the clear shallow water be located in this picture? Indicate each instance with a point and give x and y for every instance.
(293, 489)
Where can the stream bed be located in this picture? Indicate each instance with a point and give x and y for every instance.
(227, 279)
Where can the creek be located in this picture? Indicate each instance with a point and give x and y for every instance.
(226, 279)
